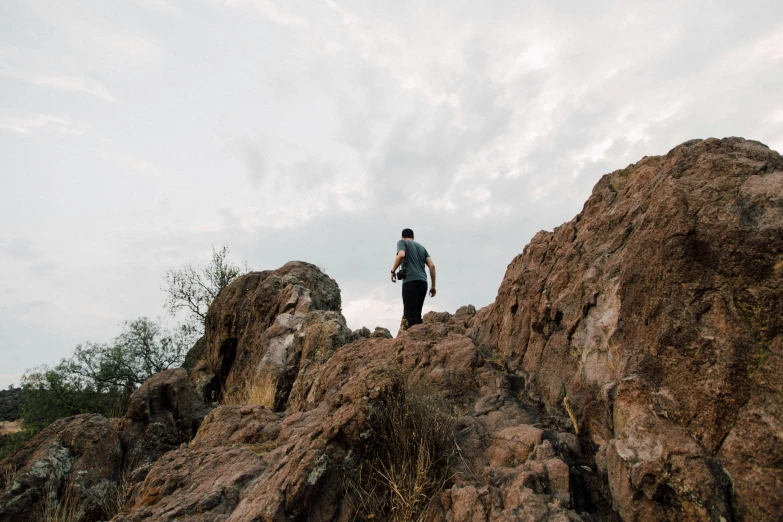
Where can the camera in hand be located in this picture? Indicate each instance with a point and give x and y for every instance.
(401, 274)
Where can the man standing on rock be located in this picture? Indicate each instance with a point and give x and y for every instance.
(414, 286)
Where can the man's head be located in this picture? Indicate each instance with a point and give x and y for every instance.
(407, 233)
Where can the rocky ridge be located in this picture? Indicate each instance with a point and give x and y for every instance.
(655, 316)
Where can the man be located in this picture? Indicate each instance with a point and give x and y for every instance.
(414, 286)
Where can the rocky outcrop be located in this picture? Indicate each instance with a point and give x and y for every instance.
(82, 467)
(258, 328)
(628, 370)
(291, 465)
(75, 461)
(163, 413)
(659, 309)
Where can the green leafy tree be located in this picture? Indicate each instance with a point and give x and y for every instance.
(99, 378)
(49, 394)
(192, 289)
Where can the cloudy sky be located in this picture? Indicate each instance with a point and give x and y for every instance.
(136, 134)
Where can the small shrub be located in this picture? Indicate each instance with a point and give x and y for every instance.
(407, 459)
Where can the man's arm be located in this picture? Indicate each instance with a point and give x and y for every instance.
(397, 262)
(431, 266)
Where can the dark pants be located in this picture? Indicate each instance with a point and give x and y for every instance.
(413, 294)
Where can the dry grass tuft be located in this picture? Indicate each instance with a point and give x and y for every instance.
(63, 504)
(9, 474)
(55, 508)
(570, 410)
(65, 507)
(252, 393)
(115, 499)
(407, 460)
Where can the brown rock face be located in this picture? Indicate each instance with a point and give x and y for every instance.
(659, 307)
(74, 461)
(291, 465)
(258, 327)
(162, 413)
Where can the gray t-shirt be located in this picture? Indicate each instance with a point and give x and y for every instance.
(416, 257)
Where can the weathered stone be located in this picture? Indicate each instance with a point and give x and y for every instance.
(512, 446)
(75, 460)
(195, 354)
(254, 328)
(297, 455)
(382, 333)
(671, 274)
(162, 413)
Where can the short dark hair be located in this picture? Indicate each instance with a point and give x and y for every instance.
(407, 232)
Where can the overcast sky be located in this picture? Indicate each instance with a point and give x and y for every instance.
(136, 134)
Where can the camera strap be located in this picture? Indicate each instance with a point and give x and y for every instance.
(404, 268)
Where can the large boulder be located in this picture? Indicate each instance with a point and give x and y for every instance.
(71, 466)
(658, 309)
(164, 412)
(265, 329)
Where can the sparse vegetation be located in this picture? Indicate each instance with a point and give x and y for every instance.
(116, 497)
(99, 378)
(10, 443)
(54, 508)
(407, 459)
(569, 409)
(493, 359)
(252, 392)
(9, 473)
(192, 289)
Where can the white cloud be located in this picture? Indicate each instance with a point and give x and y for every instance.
(269, 9)
(162, 6)
(100, 31)
(142, 167)
(47, 122)
(63, 83)
(371, 312)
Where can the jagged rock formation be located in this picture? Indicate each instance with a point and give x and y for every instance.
(261, 326)
(657, 311)
(78, 466)
(163, 413)
(289, 466)
(659, 306)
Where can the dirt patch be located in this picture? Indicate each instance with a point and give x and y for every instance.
(10, 427)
